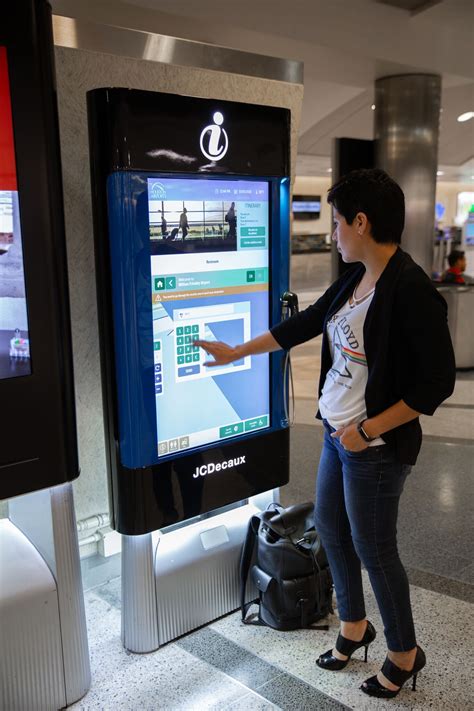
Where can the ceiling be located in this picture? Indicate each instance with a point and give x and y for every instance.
(344, 44)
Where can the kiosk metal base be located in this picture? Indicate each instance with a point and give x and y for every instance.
(44, 655)
(31, 660)
(175, 582)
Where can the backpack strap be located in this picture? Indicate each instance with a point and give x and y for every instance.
(245, 560)
(313, 547)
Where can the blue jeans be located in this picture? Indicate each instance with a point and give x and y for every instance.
(357, 495)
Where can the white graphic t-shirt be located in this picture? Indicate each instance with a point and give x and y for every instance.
(342, 401)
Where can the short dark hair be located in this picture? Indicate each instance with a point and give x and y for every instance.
(377, 195)
(454, 256)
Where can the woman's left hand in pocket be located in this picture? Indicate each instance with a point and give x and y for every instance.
(350, 438)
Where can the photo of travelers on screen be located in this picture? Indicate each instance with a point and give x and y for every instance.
(192, 226)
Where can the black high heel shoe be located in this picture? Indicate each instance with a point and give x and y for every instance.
(347, 647)
(397, 676)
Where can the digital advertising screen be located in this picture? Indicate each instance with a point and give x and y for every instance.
(465, 201)
(14, 338)
(306, 207)
(209, 257)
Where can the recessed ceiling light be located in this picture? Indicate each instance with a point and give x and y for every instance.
(373, 107)
(465, 117)
(439, 172)
(329, 170)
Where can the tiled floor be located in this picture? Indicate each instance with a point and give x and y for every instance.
(227, 665)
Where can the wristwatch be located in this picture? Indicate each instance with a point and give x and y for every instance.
(363, 433)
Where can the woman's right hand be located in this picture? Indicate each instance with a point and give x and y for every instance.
(221, 352)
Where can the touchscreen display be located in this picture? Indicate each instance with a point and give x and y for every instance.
(209, 243)
(14, 339)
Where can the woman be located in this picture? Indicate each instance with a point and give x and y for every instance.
(386, 358)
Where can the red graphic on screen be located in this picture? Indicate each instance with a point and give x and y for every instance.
(7, 146)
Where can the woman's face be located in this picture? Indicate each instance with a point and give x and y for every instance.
(346, 238)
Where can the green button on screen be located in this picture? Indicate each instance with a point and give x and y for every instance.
(252, 231)
(253, 242)
(256, 423)
(230, 430)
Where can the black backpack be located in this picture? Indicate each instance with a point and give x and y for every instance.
(290, 569)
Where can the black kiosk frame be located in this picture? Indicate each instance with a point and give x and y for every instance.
(38, 420)
(153, 134)
(42, 601)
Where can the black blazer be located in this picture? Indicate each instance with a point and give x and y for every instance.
(406, 338)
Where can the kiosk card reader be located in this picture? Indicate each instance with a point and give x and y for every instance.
(191, 203)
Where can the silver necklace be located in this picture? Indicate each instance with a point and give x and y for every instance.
(356, 301)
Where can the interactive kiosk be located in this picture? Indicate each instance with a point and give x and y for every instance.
(44, 658)
(191, 200)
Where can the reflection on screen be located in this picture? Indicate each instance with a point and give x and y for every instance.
(14, 338)
(209, 242)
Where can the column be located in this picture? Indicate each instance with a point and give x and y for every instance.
(407, 110)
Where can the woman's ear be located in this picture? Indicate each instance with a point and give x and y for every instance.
(361, 223)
